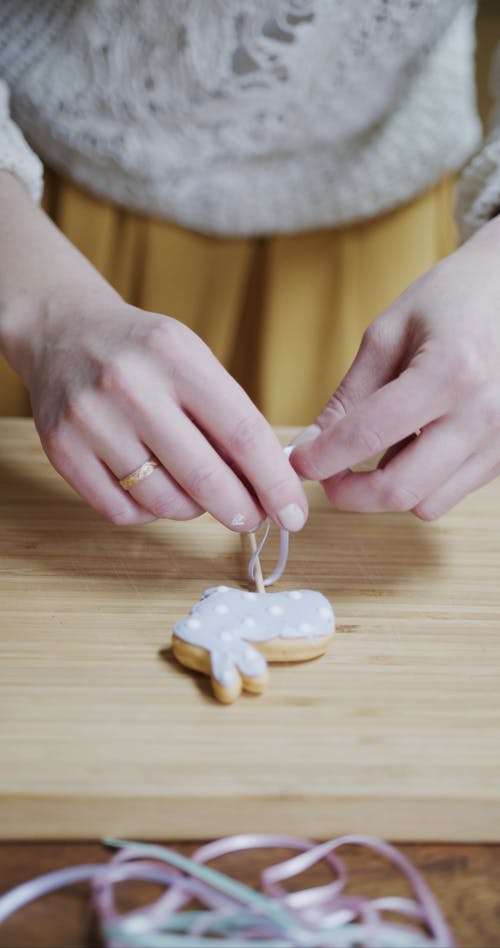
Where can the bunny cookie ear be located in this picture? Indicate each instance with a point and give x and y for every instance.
(237, 666)
(233, 666)
(227, 683)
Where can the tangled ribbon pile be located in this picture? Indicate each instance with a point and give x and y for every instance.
(232, 915)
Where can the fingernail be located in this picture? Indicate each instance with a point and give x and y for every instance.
(307, 434)
(292, 517)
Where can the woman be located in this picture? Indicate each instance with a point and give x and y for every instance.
(247, 120)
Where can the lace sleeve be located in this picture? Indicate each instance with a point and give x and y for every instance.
(479, 187)
(15, 154)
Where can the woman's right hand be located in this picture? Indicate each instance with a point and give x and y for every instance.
(112, 386)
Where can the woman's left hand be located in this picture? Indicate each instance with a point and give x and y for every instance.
(430, 363)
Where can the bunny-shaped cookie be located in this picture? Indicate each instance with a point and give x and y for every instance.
(229, 634)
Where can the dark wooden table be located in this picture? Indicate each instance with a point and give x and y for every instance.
(464, 878)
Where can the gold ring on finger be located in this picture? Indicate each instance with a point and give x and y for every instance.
(130, 480)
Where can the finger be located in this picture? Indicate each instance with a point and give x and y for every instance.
(378, 360)
(233, 422)
(415, 399)
(113, 440)
(478, 470)
(413, 473)
(395, 449)
(158, 493)
(197, 467)
(89, 477)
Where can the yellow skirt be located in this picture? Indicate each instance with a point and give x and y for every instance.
(284, 314)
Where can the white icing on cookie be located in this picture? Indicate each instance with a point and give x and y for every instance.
(226, 620)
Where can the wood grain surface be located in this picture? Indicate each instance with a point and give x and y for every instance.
(395, 732)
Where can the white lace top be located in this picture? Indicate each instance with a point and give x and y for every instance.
(246, 116)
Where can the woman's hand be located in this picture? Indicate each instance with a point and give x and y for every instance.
(429, 363)
(112, 386)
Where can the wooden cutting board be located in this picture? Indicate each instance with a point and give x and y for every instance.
(395, 732)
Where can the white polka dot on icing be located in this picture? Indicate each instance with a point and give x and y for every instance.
(249, 595)
(222, 589)
(227, 636)
(295, 594)
(276, 611)
(325, 612)
(221, 609)
(249, 653)
(193, 623)
(249, 622)
(306, 628)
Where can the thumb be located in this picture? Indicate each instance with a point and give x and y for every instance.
(379, 360)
